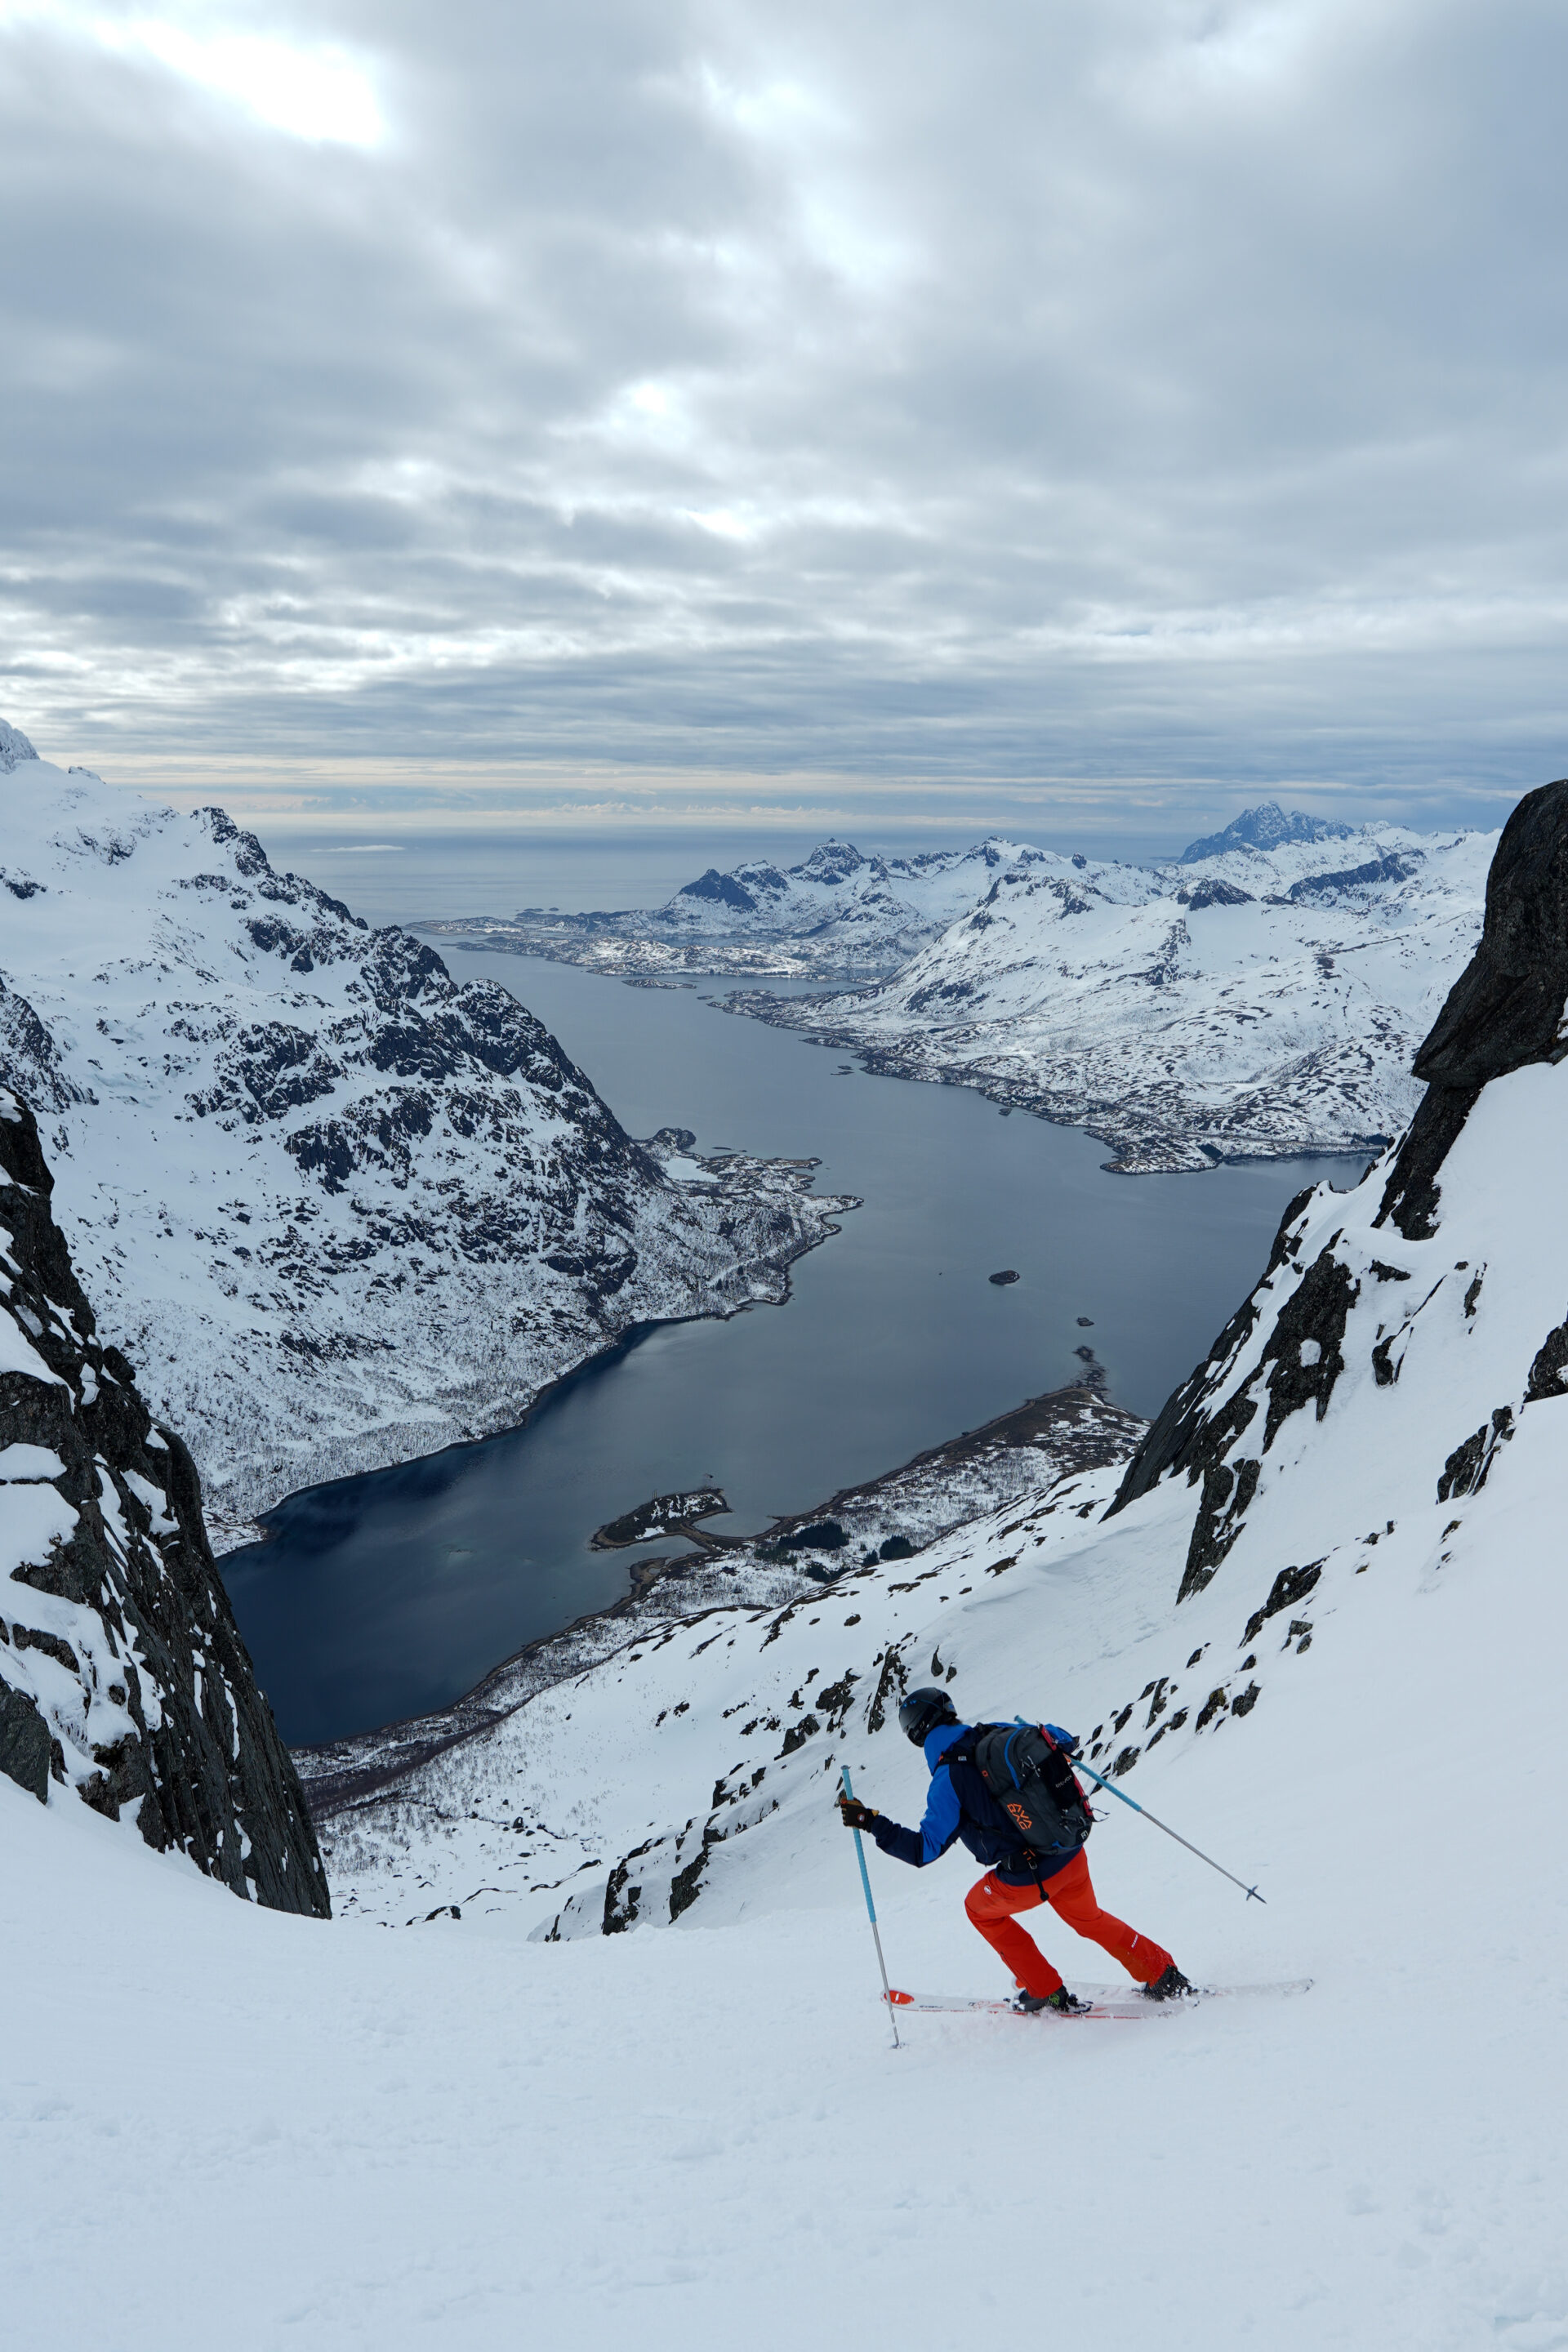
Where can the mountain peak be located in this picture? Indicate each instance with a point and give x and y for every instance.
(831, 860)
(1266, 826)
(14, 748)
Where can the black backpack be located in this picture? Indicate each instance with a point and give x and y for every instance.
(1029, 1777)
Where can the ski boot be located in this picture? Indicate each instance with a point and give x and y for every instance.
(1169, 1987)
(1066, 2004)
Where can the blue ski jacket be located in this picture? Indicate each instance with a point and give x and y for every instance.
(961, 1806)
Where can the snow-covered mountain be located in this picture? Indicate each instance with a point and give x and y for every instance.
(1404, 1337)
(833, 916)
(1266, 826)
(1321, 1634)
(121, 1673)
(337, 1208)
(1262, 1000)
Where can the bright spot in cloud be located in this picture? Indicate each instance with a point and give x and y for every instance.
(720, 522)
(311, 92)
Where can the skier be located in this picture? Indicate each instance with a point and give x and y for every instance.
(1017, 1876)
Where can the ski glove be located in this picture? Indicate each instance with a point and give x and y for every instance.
(1063, 1739)
(858, 1816)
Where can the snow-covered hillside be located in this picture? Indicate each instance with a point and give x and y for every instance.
(836, 915)
(337, 1208)
(1322, 1634)
(122, 1675)
(1404, 1338)
(1252, 1003)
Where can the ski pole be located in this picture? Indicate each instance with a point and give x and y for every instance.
(1251, 1891)
(866, 1883)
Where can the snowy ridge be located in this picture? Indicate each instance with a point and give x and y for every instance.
(122, 1675)
(1266, 826)
(338, 1209)
(834, 915)
(1253, 1003)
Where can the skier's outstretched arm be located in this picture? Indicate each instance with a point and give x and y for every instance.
(935, 1835)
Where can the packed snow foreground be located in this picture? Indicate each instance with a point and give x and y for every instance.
(338, 1209)
(628, 2074)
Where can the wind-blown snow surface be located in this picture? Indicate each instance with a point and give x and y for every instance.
(1254, 1002)
(337, 1209)
(703, 2138)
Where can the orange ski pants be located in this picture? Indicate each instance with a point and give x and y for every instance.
(1070, 1893)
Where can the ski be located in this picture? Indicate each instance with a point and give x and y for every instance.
(1111, 2005)
(1118, 2011)
(1281, 1989)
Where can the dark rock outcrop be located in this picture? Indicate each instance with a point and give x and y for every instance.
(1504, 1011)
(1184, 1436)
(1375, 871)
(122, 1672)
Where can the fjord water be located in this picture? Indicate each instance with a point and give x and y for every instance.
(382, 1596)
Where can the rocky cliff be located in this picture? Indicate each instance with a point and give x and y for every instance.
(121, 1673)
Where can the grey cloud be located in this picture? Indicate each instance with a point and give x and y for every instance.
(1170, 388)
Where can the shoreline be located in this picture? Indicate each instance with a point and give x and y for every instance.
(775, 1262)
(1171, 1153)
(1067, 1429)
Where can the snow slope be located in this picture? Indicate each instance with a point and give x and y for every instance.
(1253, 1003)
(338, 1209)
(338, 2136)
(460, 2132)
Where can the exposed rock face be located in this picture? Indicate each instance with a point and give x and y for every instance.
(121, 1673)
(1332, 1303)
(1504, 1010)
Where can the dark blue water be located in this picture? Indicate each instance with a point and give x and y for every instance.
(385, 1595)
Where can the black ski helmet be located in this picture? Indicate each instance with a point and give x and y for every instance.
(923, 1711)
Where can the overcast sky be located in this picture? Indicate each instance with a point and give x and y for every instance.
(1084, 413)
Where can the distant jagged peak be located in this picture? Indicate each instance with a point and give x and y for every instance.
(722, 889)
(831, 861)
(14, 748)
(1266, 826)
